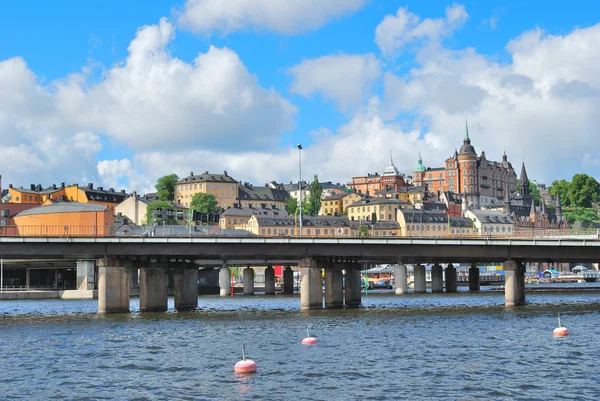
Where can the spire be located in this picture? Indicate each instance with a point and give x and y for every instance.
(391, 159)
(557, 207)
(523, 182)
(504, 157)
(466, 130)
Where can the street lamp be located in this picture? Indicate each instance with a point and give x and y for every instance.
(300, 183)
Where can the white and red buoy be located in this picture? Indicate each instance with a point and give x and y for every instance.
(309, 340)
(560, 331)
(245, 365)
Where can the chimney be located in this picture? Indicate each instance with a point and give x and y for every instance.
(10, 185)
(191, 173)
(100, 188)
(32, 187)
(111, 189)
(90, 185)
(53, 186)
(39, 187)
(62, 184)
(225, 173)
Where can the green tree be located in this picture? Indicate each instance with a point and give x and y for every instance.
(204, 203)
(154, 213)
(314, 198)
(166, 187)
(584, 191)
(363, 231)
(580, 214)
(291, 205)
(534, 191)
(561, 187)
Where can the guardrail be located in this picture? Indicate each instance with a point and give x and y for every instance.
(87, 231)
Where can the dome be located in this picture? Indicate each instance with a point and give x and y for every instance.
(420, 167)
(467, 149)
(391, 170)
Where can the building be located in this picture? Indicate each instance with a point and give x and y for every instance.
(134, 208)
(330, 189)
(382, 229)
(408, 193)
(375, 209)
(262, 197)
(452, 202)
(293, 188)
(223, 187)
(65, 219)
(484, 181)
(491, 222)
(373, 182)
(432, 223)
(337, 203)
(323, 226)
(237, 215)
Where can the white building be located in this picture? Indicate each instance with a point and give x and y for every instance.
(491, 222)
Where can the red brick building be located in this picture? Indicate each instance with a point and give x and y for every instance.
(373, 182)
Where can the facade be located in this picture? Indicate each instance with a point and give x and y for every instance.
(375, 209)
(223, 187)
(491, 222)
(383, 229)
(373, 182)
(134, 208)
(407, 193)
(293, 188)
(483, 181)
(65, 219)
(432, 223)
(452, 202)
(262, 197)
(236, 216)
(324, 226)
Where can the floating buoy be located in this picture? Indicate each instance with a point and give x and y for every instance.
(245, 365)
(309, 340)
(560, 331)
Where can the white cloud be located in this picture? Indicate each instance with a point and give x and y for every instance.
(343, 78)
(286, 17)
(111, 170)
(396, 31)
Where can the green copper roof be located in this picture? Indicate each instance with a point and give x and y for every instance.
(467, 130)
(420, 167)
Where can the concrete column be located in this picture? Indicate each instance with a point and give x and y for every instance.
(185, 283)
(520, 296)
(135, 278)
(224, 281)
(352, 295)
(153, 288)
(270, 281)
(437, 278)
(85, 274)
(27, 278)
(419, 284)
(474, 284)
(450, 278)
(400, 279)
(334, 293)
(511, 289)
(113, 286)
(288, 280)
(311, 290)
(248, 277)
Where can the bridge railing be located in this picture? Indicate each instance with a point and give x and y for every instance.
(88, 231)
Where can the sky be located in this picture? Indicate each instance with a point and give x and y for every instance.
(119, 93)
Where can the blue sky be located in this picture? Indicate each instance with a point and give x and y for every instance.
(413, 96)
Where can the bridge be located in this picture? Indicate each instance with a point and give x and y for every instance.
(341, 258)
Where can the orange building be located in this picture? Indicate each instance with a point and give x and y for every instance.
(371, 183)
(65, 219)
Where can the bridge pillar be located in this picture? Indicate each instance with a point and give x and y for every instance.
(437, 278)
(288, 280)
(334, 293)
(400, 279)
(134, 282)
(474, 284)
(248, 277)
(113, 286)
(270, 281)
(153, 288)
(311, 290)
(85, 274)
(450, 278)
(521, 283)
(419, 279)
(352, 295)
(224, 281)
(185, 283)
(512, 284)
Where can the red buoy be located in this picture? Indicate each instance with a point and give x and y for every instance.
(309, 340)
(560, 331)
(245, 365)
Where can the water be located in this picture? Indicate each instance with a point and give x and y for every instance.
(417, 347)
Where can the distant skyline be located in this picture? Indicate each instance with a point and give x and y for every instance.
(121, 93)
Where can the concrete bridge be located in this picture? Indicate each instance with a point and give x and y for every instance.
(117, 257)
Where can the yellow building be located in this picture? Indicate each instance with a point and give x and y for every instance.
(375, 209)
(32, 195)
(237, 216)
(337, 203)
(433, 223)
(265, 197)
(322, 226)
(223, 187)
(412, 194)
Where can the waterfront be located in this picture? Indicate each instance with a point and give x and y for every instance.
(433, 346)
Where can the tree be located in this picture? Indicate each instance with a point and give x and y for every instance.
(204, 203)
(291, 205)
(534, 191)
(561, 187)
(584, 191)
(584, 215)
(314, 198)
(363, 231)
(166, 187)
(161, 212)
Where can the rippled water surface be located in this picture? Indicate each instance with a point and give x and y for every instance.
(415, 347)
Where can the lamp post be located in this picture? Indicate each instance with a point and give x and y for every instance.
(300, 184)
(93, 198)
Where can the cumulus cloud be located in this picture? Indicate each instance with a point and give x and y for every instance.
(343, 78)
(284, 17)
(396, 31)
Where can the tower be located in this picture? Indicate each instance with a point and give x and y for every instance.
(558, 208)
(523, 182)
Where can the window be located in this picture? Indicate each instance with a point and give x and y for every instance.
(472, 191)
